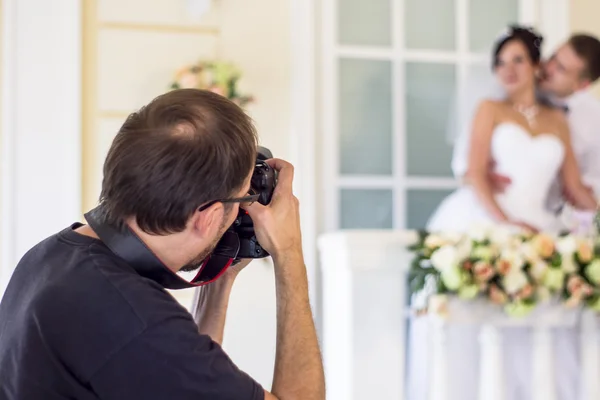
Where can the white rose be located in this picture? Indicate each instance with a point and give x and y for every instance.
(434, 241)
(478, 232)
(514, 281)
(566, 245)
(483, 253)
(568, 264)
(529, 253)
(444, 258)
(452, 277)
(538, 270)
(502, 235)
(515, 259)
(463, 249)
(451, 237)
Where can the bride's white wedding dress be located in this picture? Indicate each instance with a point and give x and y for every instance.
(533, 164)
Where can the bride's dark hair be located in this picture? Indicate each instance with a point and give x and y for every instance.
(526, 35)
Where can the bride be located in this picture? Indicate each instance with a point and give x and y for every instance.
(527, 141)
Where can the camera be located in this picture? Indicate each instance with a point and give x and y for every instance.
(263, 181)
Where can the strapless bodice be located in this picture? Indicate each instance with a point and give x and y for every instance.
(532, 163)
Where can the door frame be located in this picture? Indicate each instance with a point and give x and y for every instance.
(40, 159)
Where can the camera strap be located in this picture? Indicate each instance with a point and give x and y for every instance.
(128, 246)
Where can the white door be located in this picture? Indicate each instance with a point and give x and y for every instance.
(391, 71)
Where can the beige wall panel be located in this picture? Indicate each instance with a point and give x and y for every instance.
(168, 12)
(105, 133)
(136, 66)
(585, 17)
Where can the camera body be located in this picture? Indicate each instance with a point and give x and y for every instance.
(263, 181)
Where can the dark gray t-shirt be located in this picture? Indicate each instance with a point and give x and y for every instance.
(76, 322)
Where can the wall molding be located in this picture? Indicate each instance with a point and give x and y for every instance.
(162, 28)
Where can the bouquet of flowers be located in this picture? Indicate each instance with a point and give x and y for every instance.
(217, 76)
(515, 270)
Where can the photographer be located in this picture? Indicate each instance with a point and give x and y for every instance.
(77, 321)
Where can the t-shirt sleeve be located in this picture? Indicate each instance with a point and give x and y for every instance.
(172, 360)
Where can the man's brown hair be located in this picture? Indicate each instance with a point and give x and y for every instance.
(185, 148)
(587, 48)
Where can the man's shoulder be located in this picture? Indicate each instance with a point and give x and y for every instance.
(584, 104)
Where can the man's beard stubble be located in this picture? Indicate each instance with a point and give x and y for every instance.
(197, 261)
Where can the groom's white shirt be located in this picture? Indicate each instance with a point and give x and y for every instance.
(584, 123)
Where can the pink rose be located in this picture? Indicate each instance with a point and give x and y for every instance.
(525, 293)
(483, 271)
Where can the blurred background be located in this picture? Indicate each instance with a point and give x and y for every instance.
(357, 94)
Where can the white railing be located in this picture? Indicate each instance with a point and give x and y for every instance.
(365, 322)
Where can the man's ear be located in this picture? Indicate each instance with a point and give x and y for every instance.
(206, 222)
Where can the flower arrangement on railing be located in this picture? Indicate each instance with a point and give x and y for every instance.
(514, 270)
(217, 76)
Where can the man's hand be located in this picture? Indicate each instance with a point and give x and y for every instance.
(277, 225)
(572, 200)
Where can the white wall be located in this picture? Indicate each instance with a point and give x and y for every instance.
(256, 36)
(40, 124)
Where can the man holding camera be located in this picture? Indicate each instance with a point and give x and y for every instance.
(77, 321)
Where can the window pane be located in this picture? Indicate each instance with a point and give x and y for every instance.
(430, 24)
(365, 22)
(420, 204)
(365, 116)
(430, 93)
(487, 19)
(366, 209)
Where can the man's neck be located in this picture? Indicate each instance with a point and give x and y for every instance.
(86, 230)
(162, 248)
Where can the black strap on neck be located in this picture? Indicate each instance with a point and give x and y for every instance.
(129, 247)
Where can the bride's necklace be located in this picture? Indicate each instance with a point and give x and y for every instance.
(529, 112)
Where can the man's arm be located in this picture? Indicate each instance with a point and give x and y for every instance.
(211, 303)
(298, 364)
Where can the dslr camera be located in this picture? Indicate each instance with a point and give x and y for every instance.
(263, 181)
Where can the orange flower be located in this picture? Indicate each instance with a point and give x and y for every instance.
(543, 245)
(483, 271)
(503, 266)
(585, 252)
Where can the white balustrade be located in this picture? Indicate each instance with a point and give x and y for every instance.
(364, 322)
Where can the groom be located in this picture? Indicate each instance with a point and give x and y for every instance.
(565, 80)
